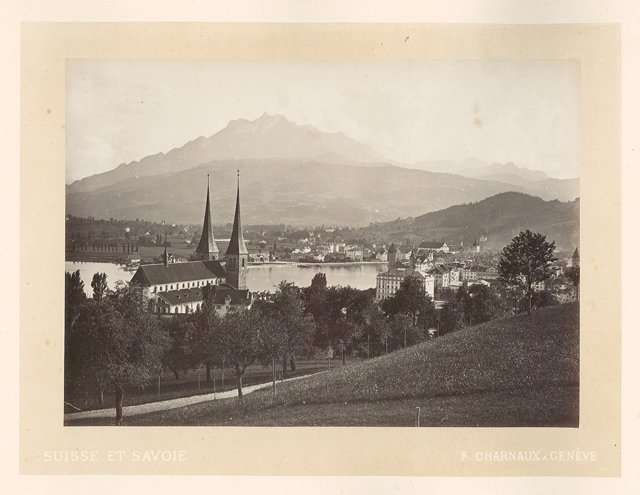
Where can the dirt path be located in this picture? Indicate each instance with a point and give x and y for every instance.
(173, 403)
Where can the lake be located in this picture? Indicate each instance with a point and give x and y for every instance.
(259, 278)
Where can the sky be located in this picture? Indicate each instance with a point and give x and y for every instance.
(526, 112)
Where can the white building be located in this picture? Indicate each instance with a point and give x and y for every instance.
(388, 283)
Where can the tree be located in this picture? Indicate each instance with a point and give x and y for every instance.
(75, 299)
(412, 300)
(377, 331)
(99, 285)
(177, 358)
(240, 340)
(117, 343)
(272, 343)
(573, 274)
(451, 318)
(74, 290)
(479, 303)
(319, 282)
(526, 260)
(294, 328)
(204, 339)
(347, 311)
(539, 300)
(403, 332)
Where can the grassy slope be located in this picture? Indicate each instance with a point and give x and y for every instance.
(517, 371)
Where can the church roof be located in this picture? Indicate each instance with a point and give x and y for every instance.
(393, 248)
(236, 243)
(220, 294)
(181, 296)
(207, 244)
(575, 254)
(178, 272)
(238, 296)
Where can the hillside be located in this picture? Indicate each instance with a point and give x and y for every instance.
(499, 218)
(515, 371)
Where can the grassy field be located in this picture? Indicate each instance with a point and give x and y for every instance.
(516, 371)
(193, 382)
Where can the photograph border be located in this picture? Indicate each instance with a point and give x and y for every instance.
(316, 450)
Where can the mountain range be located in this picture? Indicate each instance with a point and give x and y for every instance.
(295, 174)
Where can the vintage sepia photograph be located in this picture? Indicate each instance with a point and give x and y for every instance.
(322, 243)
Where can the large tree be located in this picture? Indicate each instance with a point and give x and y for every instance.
(273, 341)
(377, 332)
(412, 300)
(204, 339)
(526, 260)
(295, 329)
(117, 344)
(240, 340)
(99, 285)
(347, 310)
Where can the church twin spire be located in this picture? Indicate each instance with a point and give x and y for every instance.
(207, 248)
(236, 243)
(237, 253)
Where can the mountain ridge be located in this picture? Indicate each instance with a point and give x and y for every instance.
(270, 136)
(497, 218)
(287, 191)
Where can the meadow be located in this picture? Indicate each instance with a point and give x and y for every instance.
(513, 371)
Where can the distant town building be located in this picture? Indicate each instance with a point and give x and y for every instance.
(354, 254)
(440, 275)
(426, 246)
(388, 283)
(381, 255)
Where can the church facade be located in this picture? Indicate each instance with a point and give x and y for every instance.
(180, 288)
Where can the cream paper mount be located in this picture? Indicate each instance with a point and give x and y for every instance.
(315, 451)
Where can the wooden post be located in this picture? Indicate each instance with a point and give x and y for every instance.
(417, 416)
(158, 385)
(273, 365)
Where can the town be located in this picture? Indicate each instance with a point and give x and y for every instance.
(198, 309)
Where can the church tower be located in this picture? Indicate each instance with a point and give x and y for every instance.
(392, 256)
(575, 259)
(237, 254)
(207, 248)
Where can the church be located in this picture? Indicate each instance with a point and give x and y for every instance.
(178, 288)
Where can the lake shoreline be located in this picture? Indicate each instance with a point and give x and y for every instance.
(260, 277)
